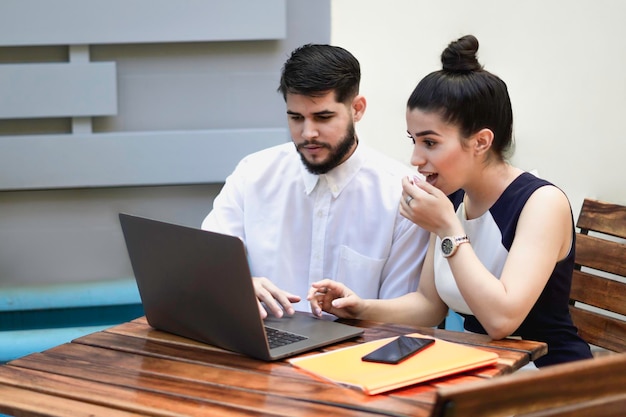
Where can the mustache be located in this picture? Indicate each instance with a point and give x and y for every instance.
(312, 142)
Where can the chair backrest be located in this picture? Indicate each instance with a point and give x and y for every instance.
(591, 387)
(600, 249)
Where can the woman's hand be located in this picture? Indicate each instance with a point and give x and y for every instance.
(428, 207)
(335, 298)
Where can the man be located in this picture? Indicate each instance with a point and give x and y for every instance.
(327, 207)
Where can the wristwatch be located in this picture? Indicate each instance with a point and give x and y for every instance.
(450, 244)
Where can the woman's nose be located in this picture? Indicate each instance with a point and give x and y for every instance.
(417, 159)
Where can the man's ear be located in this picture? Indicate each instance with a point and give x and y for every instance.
(482, 141)
(358, 107)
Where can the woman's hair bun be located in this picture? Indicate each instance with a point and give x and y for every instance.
(460, 55)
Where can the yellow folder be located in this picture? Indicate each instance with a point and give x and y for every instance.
(344, 366)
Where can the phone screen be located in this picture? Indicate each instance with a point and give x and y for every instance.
(398, 350)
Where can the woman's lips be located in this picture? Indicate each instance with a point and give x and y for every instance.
(431, 178)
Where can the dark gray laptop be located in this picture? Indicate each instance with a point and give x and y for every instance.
(197, 284)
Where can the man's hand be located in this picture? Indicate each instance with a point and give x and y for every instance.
(277, 300)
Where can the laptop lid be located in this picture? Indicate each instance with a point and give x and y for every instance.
(197, 284)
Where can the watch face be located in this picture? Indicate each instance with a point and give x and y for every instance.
(446, 246)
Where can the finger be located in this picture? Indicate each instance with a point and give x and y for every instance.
(281, 300)
(276, 300)
(344, 305)
(326, 282)
(341, 302)
(329, 286)
(315, 307)
(339, 307)
(314, 297)
(311, 293)
(274, 307)
(266, 297)
(425, 186)
(291, 297)
(262, 310)
(284, 298)
(410, 190)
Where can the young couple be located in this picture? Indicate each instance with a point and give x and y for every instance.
(360, 236)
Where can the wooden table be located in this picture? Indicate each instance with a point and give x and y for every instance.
(132, 369)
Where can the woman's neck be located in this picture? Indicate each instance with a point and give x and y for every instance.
(485, 189)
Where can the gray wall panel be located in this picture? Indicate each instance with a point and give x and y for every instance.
(195, 86)
(58, 90)
(77, 22)
(128, 159)
(74, 235)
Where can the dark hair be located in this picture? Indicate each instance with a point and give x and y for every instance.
(466, 95)
(313, 70)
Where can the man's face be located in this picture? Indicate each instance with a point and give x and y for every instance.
(322, 130)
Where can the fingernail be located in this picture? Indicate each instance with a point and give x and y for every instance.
(416, 179)
(318, 311)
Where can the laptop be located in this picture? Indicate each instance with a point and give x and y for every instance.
(197, 284)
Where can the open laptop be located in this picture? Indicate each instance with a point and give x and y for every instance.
(197, 284)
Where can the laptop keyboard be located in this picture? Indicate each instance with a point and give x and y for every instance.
(278, 338)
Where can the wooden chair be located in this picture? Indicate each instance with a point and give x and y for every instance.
(592, 387)
(600, 249)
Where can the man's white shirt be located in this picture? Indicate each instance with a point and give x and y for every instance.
(344, 225)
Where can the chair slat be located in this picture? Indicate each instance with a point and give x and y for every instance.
(599, 292)
(603, 217)
(600, 330)
(603, 407)
(566, 387)
(601, 254)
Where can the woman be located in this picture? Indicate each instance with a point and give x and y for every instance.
(501, 250)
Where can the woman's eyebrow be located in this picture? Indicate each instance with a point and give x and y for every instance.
(424, 133)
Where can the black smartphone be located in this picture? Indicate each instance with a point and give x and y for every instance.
(398, 350)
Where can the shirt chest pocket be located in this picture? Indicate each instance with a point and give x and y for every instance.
(360, 273)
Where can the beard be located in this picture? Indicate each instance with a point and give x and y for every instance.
(337, 152)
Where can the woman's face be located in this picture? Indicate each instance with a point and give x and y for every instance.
(440, 153)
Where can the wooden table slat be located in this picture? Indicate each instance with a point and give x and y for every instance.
(17, 401)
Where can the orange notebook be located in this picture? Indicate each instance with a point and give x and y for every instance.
(344, 366)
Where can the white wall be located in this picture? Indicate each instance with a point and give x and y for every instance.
(563, 61)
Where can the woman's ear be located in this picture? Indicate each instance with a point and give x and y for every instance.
(482, 141)
(358, 107)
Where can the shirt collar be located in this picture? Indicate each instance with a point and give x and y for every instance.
(338, 177)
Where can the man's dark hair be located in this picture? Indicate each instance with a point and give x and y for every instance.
(313, 70)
